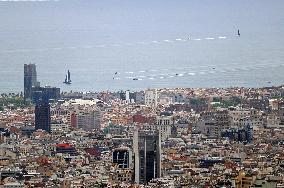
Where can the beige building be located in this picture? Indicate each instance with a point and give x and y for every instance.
(151, 97)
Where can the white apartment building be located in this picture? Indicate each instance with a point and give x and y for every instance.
(151, 97)
(239, 117)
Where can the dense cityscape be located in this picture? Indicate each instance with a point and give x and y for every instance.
(182, 137)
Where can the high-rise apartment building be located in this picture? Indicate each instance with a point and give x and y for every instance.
(42, 112)
(147, 155)
(30, 80)
(151, 97)
(163, 124)
(87, 119)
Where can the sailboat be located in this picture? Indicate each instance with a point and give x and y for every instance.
(67, 78)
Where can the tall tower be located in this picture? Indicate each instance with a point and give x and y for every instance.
(30, 80)
(147, 155)
(42, 112)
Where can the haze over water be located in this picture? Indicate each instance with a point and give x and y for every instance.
(185, 43)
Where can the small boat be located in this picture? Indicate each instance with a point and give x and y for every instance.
(239, 33)
(135, 78)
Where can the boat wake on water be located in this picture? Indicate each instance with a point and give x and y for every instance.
(115, 45)
(177, 73)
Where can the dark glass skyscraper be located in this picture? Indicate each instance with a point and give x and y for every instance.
(147, 155)
(30, 80)
(52, 92)
(42, 112)
(122, 156)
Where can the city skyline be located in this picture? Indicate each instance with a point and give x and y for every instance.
(141, 94)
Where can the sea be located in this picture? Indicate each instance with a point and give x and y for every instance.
(137, 44)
